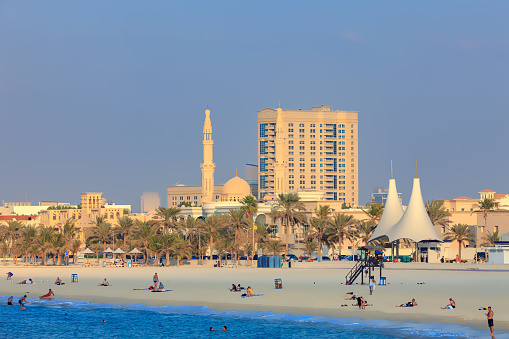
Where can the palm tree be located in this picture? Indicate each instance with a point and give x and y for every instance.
(274, 246)
(11, 235)
(213, 224)
(154, 245)
(102, 230)
(166, 242)
(250, 208)
(311, 246)
(168, 215)
(144, 231)
(323, 212)
(45, 241)
(340, 228)
(237, 220)
(75, 247)
(4, 248)
(485, 206)
(248, 250)
(181, 248)
(374, 212)
(364, 230)
(28, 234)
(125, 226)
(490, 238)
(460, 233)
(186, 227)
(288, 209)
(437, 213)
(58, 243)
(317, 232)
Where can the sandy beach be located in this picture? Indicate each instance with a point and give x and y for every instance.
(308, 289)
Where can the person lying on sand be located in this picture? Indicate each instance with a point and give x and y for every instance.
(105, 283)
(451, 305)
(29, 281)
(409, 304)
(234, 288)
(47, 295)
(58, 281)
(353, 297)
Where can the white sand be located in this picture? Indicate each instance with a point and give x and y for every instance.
(307, 290)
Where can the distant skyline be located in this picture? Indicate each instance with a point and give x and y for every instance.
(110, 96)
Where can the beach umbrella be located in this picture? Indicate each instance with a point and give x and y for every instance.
(108, 250)
(87, 251)
(118, 251)
(135, 252)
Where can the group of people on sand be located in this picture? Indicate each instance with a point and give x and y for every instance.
(249, 292)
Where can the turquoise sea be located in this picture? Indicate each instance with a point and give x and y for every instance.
(62, 318)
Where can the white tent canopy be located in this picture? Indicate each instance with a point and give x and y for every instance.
(108, 250)
(391, 215)
(87, 251)
(135, 251)
(119, 251)
(415, 223)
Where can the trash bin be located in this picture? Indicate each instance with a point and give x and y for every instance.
(74, 277)
(104, 263)
(130, 264)
(279, 283)
(383, 281)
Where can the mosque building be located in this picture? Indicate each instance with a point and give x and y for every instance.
(208, 198)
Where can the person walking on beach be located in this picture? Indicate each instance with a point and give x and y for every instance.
(490, 319)
(372, 284)
(156, 280)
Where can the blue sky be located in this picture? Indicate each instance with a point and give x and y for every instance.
(110, 95)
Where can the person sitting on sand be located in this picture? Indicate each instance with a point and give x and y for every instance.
(409, 304)
(234, 288)
(58, 281)
(9, 301)
(105, 283)
(9, 275)
(22, 301)
(451, 305)
(239, 288)
(161, 287)
(47, 295)
(249, 292)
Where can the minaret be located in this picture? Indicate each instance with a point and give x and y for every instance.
(208, 166)
(279, 164)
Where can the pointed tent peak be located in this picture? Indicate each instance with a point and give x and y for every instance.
(393, 211)
(415, 223)
(108, 250)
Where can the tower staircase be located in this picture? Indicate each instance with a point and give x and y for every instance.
(355, 272)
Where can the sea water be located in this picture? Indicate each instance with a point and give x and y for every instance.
(62, 318)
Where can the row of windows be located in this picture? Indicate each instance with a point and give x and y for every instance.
(327, 125)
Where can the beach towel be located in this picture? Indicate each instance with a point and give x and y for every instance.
(254, 295)
(161, 291)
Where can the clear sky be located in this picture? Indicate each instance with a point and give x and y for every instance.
(110, 96)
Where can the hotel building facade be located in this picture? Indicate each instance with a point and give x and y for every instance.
(314, 150)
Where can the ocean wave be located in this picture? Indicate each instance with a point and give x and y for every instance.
(398, 328)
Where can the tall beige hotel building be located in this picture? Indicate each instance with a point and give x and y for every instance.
(314, 150)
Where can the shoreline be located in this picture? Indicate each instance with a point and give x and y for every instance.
(315, 292)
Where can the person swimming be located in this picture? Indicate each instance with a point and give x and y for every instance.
(9, 301)
(22, 301)
(47, 295)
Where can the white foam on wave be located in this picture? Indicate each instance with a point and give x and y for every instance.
(405, 329)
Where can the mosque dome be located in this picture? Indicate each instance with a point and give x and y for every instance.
(235, 189)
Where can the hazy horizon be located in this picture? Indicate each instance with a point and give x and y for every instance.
(110, 96)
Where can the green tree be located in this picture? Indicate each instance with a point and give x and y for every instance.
(237, 220)
(145, 230)
(102, 231)
(75, 247)
(311, 246)
(45, 241)
(490, 238)
(374, 212)
(168, 216)
(485, 206)
(288, 209)
(317, 233)
(181, 248)
(437, 213)
(364, 230)
(166, 242)
(125, 227)
(274, 246)
(460, 233)
(340, 228)
(212, 224)
(58, 243)
(250, 208)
